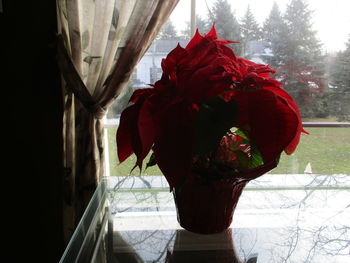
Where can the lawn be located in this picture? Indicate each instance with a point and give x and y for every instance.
(117, 169)
(326, 149)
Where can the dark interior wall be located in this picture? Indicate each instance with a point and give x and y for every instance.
(31, 124)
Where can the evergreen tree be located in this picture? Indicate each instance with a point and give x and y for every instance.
(227, 26)
(340, 79)
(341, 69)
(303, 45)
(168, 31)
(300, 64)
(201, 24)
(250, 30)
(274, 31)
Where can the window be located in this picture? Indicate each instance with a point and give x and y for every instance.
(303, 203)
(311, 59)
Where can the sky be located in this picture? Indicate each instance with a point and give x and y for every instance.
(331, 18)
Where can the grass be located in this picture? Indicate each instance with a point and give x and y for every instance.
(326, 149)
(123, 169)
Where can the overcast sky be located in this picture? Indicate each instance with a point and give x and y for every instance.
(331, 18)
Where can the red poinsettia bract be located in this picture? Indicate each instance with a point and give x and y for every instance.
(163, 117)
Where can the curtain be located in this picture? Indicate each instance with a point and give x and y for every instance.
(99, 44)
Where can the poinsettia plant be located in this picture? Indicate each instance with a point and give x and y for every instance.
(211, 115)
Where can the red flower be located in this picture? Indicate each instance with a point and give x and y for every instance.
(164, 118)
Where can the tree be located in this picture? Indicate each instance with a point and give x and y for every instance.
(273, 29)
(168, 31)
(341, 68)
(298, 58)
(340, 80)
(201, 24)
(227, 26)
(250, 29)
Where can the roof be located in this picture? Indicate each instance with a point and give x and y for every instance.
(166, 45)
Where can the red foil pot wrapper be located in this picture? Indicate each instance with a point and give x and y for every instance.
(207, 206)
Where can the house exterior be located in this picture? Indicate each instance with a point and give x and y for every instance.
(149, 70)
(257, 51)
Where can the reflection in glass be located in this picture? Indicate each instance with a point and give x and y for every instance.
(190, 247)
(278, 219)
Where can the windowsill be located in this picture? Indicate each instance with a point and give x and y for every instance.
(299, 217)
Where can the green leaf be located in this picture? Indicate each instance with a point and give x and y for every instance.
(242, 134)
(151, 162)
(243, 160)
(215, 117)
(256, 157)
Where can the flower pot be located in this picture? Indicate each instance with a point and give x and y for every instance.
(206, 206)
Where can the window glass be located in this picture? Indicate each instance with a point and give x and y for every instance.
(311, 56)
(298, 212)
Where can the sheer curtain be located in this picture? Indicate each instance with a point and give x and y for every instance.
(99, 44)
